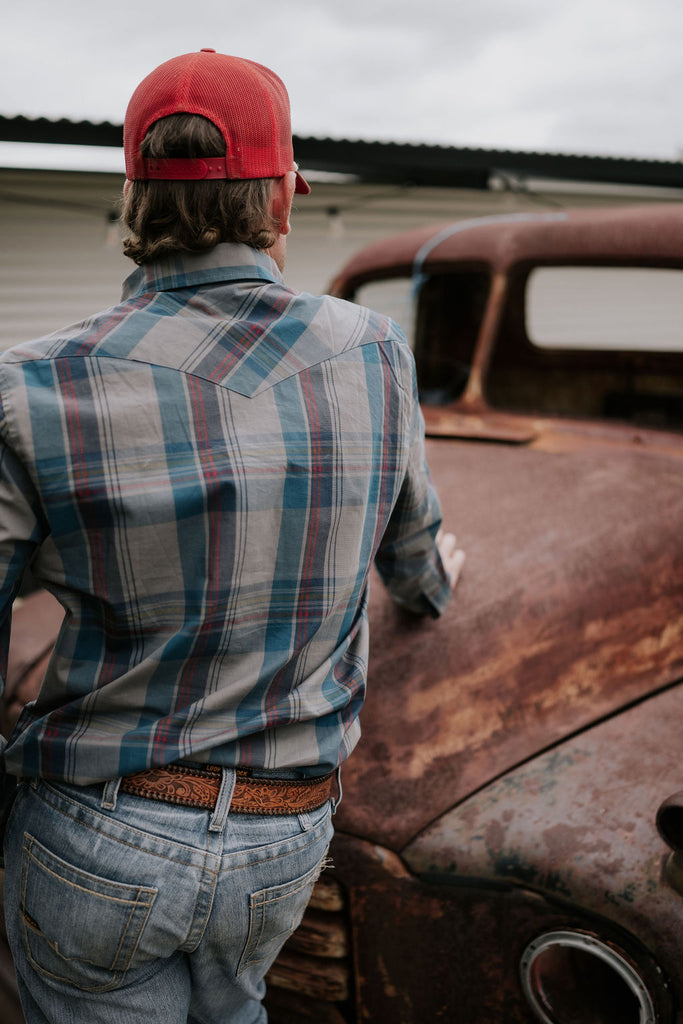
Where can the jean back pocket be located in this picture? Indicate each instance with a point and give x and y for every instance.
(79, 928)
(274, 914)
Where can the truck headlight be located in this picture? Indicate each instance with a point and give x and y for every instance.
(572, 977)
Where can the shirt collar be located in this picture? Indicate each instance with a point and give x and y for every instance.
(225, 262)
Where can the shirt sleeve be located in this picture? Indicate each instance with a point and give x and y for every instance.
(21, 532)
(408, 560)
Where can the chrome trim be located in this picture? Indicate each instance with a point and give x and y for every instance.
(587, 943)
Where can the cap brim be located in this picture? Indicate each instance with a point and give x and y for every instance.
(302, 186)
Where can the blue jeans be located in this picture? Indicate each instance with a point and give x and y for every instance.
(122, 910)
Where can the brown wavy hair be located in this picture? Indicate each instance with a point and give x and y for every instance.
(166, 217)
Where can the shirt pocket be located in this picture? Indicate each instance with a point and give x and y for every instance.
(274, 914)
(79, 928)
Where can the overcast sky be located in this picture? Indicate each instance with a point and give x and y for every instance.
(590, 76)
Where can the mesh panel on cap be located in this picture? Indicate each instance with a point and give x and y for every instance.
(247, 102)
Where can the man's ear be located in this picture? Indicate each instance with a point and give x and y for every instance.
(281, 196)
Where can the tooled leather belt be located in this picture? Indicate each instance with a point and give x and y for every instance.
(199, 788)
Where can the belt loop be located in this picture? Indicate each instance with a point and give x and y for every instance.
(222, 808)
(340, 792)
(110, 794)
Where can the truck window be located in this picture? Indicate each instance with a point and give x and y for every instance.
(441, 327)
(639, 309)
(592, 342)
(450, 311)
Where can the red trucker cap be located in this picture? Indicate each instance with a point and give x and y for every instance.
(247, 102)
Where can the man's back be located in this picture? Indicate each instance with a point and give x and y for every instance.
(217, 458)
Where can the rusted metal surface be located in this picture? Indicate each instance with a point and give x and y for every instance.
(327, 894)
(427, 951)
(580, 823)
(569, 607)
(291, 1008)
(322, 934)
(472, 401)
(449, 421)
(636, 234)
(670, 821)
(322, 980)
(546, 433)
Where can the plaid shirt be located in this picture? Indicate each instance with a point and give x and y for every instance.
(203, 475)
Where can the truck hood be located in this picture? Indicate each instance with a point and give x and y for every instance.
(569, 608)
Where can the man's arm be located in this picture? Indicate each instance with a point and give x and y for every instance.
(20, 534)
(21, 531)
(417, 561)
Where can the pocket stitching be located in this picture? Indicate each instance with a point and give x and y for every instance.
(117, 972)
(258, 901)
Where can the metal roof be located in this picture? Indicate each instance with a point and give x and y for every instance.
(394, 162)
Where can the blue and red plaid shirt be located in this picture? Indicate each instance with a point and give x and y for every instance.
(203, 476)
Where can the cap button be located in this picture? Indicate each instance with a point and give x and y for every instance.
(207, 49)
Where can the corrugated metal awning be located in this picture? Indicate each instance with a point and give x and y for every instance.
(395, 162)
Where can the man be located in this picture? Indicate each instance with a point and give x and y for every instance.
(203, 476)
